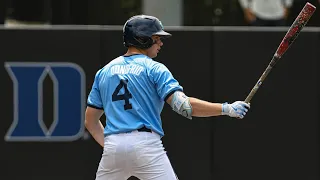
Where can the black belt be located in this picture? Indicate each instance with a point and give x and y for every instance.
(144, 129)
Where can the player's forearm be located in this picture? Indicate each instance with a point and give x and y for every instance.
(202, 108)
(95, 128)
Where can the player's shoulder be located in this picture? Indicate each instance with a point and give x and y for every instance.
(107, 66)
(116, 61)
(152, 63)
(158, 66)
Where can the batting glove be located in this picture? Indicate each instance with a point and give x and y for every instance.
(237, 109)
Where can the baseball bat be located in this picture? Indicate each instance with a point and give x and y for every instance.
(286, 42)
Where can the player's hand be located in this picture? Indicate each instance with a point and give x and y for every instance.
(237, 109)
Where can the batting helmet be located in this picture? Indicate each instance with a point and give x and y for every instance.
(138, 30)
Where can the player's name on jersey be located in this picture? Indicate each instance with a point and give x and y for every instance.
(127, 69)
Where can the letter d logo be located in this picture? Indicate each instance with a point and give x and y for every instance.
(69, 103)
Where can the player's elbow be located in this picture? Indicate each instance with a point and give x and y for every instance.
(92, 116)
(88, 121)
(180, 103)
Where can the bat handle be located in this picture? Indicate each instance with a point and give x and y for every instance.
(253, 91)
(260, 81)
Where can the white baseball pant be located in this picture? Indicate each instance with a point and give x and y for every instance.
(139, 154)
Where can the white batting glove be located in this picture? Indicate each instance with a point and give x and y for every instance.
(237, 109)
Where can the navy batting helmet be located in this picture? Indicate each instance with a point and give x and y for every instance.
(138, 30)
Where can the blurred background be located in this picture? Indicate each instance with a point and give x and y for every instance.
(171, 12)
(51, 50)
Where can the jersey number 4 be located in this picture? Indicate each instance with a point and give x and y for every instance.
(126, 96)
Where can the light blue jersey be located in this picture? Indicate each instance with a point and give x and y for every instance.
(132, 91)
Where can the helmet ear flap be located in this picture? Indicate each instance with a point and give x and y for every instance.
(144, 42)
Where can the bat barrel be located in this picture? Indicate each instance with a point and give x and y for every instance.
(288, 39)
(298, 24)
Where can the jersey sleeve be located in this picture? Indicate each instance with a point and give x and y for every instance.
(164, 81)
(94, 98)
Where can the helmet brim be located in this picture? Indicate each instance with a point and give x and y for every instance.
(163, 33)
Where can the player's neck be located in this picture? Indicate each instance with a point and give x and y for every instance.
(133, 50)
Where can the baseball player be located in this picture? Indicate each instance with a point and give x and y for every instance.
(131, 90)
